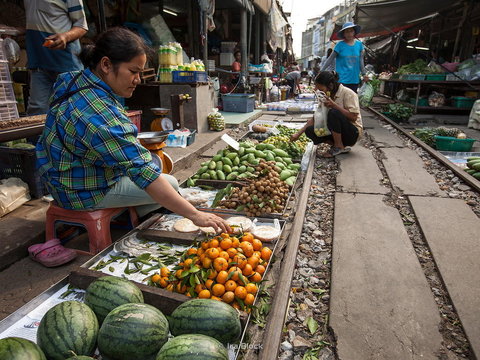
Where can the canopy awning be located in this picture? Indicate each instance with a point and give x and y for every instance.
(263, 5)
(235, 4)
(385, 17)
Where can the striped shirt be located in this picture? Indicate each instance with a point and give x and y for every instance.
(45, 18)
(88, 144)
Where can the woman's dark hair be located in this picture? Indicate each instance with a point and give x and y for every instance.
(328, 79)
(237, 52)
(329, 52)
(118, 44)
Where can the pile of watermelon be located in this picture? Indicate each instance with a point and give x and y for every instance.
(115, 319)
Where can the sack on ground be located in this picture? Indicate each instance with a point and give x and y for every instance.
(13, 194)
(320, 120)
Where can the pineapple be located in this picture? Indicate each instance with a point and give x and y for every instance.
(451, 132)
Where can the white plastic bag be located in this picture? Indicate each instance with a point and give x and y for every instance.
(13, 194)
(320, 120)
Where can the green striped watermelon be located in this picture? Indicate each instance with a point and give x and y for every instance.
(68, 328)
(193, 347)
(132, 331)
(14, 348)
(108, 292)
(208, 317)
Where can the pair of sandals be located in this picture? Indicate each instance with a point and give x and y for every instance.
(51, 253)
(334, 151)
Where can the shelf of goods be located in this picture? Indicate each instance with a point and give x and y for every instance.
(456, 86)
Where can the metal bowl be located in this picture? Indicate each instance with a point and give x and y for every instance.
(153, 137)
(160, 111)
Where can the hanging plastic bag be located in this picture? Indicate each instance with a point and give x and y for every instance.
(216, 121)
(365, 94)
(320, 117)
(13, 194)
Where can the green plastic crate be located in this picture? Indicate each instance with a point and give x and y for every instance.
(447, 143)
(462, 102)
(435, 77)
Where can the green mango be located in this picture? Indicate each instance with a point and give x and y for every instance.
(290, 181)
(205, 176)
(236, 161)
(220, 175)
(232, 176)
(202, 170)
(261, 146)
(280, 152)
(285, 174)
(227, 161)
(227, 169)
(232, 156)
(212, 165)
(190, 182)
(270, 147)
(219, 165)
(241, 151)
(213, 174)
(250, 169)
(242, 169)
(260, 154)
(217, 157)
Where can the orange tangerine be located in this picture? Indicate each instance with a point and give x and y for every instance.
(230, 285)
(249, 299)
(170, 287)
(253, 261)
(266, 253)
(163, 282)
(209, 283)
(240, 292)
(236, 306)
(181, 289)
(213, 253)
(240, 260)
(228, 297)
(205, 245)
(213, 243)
(224, 235)
(235, 242)
(204, 294)
(232, 252)
(216, 298)
(156, 278)
(178, 273)
(222, 277)
(212, 274)
(236, 272)
(247, 270)
(226, 243)
(206, 262)
(248, 237)
(200, 251)
(164, 271)
(224, 255)
(257, 244)
(247, 248)
(188, 262)
(256, 277)
(220, 264)
(260, 269)
(251, 288)
(199, 288)
(218, 290)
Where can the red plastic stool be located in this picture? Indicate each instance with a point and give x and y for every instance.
(96, 222)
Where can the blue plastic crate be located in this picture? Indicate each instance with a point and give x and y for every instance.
(189, 76)
(242, 103)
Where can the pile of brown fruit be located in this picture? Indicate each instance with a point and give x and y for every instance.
(264, 194)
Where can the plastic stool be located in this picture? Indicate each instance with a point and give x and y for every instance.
(96, 222)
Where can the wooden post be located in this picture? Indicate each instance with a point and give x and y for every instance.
(257, 37)
(243, 41)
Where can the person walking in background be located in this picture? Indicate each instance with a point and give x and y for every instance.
(343, 119)
(293, 80)
(348, 57)
(53, 30)
(237, 63)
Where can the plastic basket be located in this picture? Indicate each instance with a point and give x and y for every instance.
(421, 101)
(435, 77)
(447, 143)
(415, 77)
(191, 137)
(189, 76)
(242, 103)
(135, 117)
(20, 163)
(4, 71)
(462, 102)
(8, 110)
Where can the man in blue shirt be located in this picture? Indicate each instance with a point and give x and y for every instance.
(53, 30)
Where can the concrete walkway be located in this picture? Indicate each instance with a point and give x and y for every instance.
(382, 306)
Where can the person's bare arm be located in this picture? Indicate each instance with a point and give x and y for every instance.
(295, 136)
(60, 41)
(163, 193)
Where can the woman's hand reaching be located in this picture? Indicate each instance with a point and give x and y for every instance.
(205, 219)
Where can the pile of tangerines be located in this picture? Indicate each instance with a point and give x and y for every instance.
(226, 268)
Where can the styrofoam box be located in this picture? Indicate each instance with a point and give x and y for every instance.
(226, 59)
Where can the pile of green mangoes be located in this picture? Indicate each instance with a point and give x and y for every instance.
(229, 164)
(473, 163)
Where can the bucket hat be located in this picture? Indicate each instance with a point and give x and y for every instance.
(348, 25)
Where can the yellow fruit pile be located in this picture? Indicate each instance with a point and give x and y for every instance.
(225, 268)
